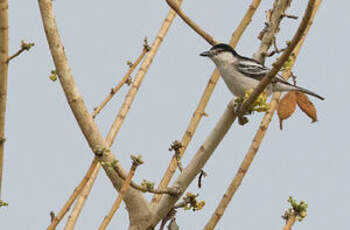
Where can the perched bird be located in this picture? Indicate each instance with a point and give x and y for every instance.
(241, 73)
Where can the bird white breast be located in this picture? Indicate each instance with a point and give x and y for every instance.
(237, 83)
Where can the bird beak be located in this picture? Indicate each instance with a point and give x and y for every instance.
(206, 54)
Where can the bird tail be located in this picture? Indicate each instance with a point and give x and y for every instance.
(286, 86)
(309, 92)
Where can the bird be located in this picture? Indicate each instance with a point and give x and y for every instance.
(242, 73)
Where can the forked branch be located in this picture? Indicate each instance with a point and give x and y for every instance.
(135, 163)
(134, 200)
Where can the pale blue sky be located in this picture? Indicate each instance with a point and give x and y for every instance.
(46, 154)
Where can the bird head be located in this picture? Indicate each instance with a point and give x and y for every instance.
(220, 53)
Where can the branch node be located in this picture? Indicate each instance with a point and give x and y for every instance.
(100, 151)
(2, 140)
(136, 160)
(52, 216)
(290, 16)
(146, 46)
(3, 203)
(129, 63)
(176, 146)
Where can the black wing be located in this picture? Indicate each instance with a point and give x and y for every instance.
(254, 69)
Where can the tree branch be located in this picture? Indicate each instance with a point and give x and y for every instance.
(221, 128)
(134, 199)
(176, 7)
(122, 81)
(198, 114)
(4, 46)
(56, 219)
(83, 195)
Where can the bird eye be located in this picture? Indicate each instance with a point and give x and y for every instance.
(219, 51)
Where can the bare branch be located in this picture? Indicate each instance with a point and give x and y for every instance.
(199, 112)
(79, 204)
(176, 7)
(55, 221)
(4, 46)
(290, 16)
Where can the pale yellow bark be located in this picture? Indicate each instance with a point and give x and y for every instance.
(4, 43)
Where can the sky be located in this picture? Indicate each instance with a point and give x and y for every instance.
(46, 154)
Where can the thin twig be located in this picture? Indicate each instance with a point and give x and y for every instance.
(198, 114)
(79, 204)
(122, 81)
(119, 199)
(24, 47)
(176, 7)
(4, 46)
(290, 16)
(254, 147)
(74, 195)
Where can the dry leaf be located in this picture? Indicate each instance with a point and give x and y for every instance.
(286, 106)
(306, 106)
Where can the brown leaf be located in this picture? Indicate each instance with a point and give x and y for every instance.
(286, 106)
(306, 106)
